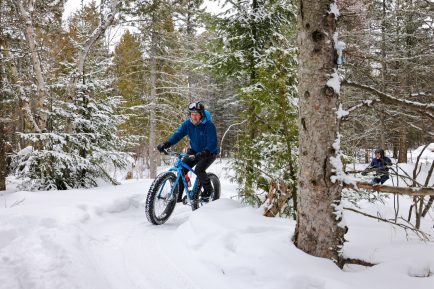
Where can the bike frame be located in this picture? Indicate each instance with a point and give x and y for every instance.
(179, 165)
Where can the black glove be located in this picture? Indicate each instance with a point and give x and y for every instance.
(202, 155)
(191, 152)
(364, 173)
(162, 147)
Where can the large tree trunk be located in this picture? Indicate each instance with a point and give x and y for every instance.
(190, 37)
(317, 231)
(152, 115)
(37, 103)
(22, 109)
(2, 132)
(383, 75)
(251, 124)
(2, 159)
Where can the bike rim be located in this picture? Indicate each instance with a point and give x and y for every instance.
(163, 199)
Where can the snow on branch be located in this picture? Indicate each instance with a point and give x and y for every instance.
(335, 82)
(106, 21)
(334, 10)
(389, 99)
(338, 167)
(344, 113)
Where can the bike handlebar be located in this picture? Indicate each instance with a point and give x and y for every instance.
(176, 154)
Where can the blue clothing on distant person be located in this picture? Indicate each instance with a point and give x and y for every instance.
(379, 164)
(382, 171)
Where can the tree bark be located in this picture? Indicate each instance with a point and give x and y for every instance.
(23, 109)
(152, 104)
(2, 157)
(37, 103)
(395, 150)
(2, 132)
(403, 147)
(383, 75)
(317, 232)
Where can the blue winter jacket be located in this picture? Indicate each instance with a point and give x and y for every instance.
(203, 137)
(380, 165)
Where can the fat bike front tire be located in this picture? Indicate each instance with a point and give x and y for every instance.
(160, 203)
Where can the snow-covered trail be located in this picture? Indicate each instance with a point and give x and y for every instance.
(100, 239)
(90, 239)
(110, 245)
(131, 253)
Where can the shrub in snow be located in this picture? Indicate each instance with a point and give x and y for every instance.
(83, 138)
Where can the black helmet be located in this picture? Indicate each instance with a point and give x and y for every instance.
(196, 107)
(379, 151)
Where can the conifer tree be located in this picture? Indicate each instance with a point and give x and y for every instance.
(166, 98)
(255, 48)
(128, 70)
(81, 135)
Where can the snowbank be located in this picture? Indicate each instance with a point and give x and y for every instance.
(426, 157)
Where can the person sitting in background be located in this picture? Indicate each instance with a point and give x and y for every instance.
(379, 165)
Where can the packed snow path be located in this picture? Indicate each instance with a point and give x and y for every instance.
(131, 253)
(100, 239)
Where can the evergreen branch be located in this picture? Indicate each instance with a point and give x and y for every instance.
(113, 181)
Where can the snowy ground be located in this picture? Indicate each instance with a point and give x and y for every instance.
(100, 238)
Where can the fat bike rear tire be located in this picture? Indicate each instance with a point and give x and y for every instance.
(215, 195)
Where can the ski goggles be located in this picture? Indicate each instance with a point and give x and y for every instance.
(195, 106)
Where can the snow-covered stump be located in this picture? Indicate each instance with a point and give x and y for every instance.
(277, 199)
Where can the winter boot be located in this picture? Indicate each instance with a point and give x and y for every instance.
(207, 192)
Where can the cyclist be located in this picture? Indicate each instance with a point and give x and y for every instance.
(203, 145)
(379, 165)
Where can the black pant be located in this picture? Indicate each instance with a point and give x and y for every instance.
(201, 166)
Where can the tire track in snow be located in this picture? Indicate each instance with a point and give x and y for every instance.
(157, 265)
(137, 259)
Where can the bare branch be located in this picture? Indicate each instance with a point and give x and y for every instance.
(415, 173)
(96, 34)
(389, 99)
(227, 130)
(418, 232)
(431, 199)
